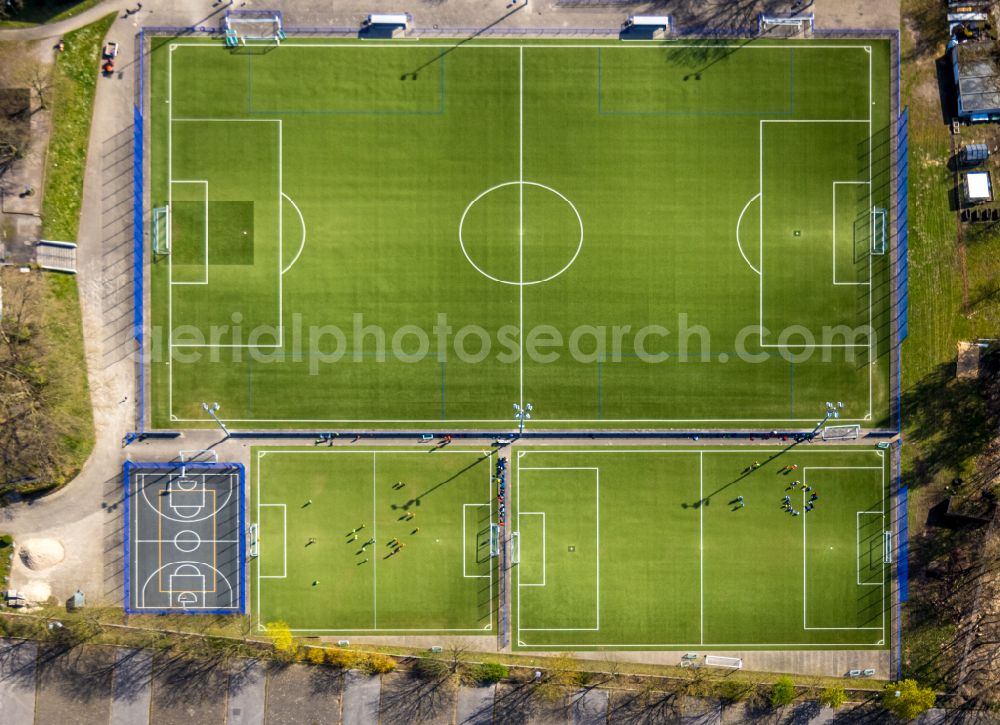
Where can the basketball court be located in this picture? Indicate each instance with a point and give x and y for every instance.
(184, 548)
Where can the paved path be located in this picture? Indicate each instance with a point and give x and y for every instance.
(361, 699)
(246, 695)
(17, 681)
(131, 687)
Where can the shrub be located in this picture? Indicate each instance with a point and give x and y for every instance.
(343, 658)
(783, 692)
(431, 669)
(833, 697)
(316, 655)
(376, 664)
(489, 672)
(907, 699)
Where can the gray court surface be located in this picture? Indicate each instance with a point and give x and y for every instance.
(185, 531)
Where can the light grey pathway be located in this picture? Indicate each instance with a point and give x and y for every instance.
(246, 694)
(361, 698)
(130, 688)
(590, 707)
(475, 705)
(17, 681)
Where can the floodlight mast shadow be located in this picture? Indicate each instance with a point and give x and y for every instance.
(210, 409)
(832, 411)
(521, 415)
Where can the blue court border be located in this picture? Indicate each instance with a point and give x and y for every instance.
(137, 466)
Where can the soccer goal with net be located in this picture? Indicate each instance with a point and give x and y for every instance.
(160, 230)
(786, 26)
(841, 432)
(879, 217)
(515, 548)
(494, 540)
(733, 663)
(252, 26)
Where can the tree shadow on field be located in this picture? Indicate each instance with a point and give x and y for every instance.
(950, 418)
(413, 73)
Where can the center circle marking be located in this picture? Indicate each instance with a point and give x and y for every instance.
(187, 541)
(521, 283)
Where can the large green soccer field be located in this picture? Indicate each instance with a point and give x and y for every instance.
(613, 548)
(420, 234)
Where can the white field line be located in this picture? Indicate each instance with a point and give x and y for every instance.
(374, 547)
(280, 321)
(437, 421)
(465, 552)
(544, 550)
(857, 520)
(805, 482)
(701, 452)
(597, 547)
(701, 546)
(739, 221)
(520, 222)
(374, 454)
(760, 261)
(834, 245)
(170, 221)
(541, 44)
(302, 244)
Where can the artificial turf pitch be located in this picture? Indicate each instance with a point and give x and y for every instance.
(618, 548)
(625, 235)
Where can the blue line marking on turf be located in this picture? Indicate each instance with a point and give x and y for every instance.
(344, 112)
(790, 110)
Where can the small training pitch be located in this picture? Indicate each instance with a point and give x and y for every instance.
(184, 544)
(616, 548)
(375, 541)
(413, 234)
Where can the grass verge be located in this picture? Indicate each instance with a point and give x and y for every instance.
(46, 11)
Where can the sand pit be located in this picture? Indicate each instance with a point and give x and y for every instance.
(41, 554)
(36, 591)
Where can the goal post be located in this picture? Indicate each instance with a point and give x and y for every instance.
(515, 548)
(732, 663)
(249, 26)
(160, 230)
(494, 540)
(785, 25)
(841, 432)
(254, 549)
(879, 243)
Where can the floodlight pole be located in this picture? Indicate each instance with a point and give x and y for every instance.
(521, 415)
(210, 409)
(832, 411)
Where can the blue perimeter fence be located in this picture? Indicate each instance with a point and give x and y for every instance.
(127, 469)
